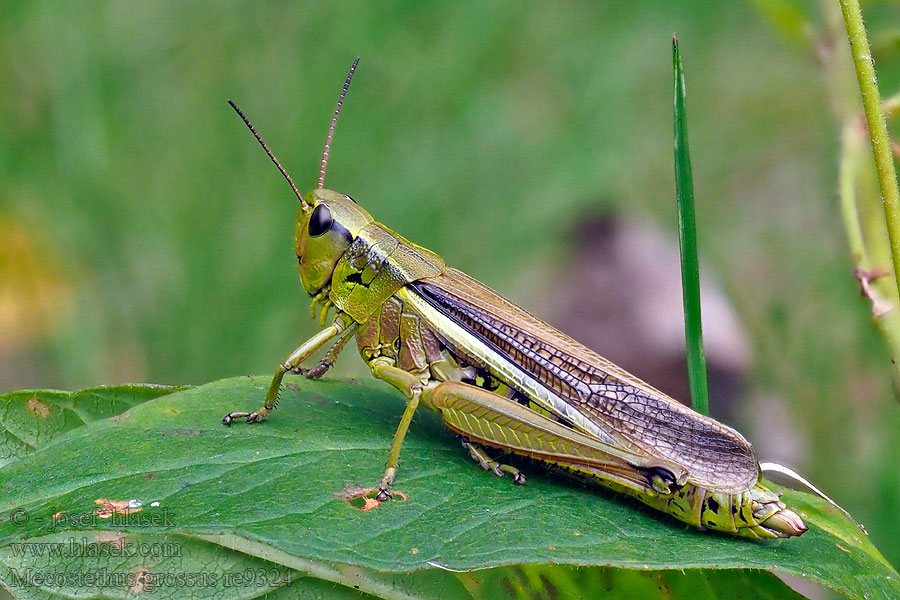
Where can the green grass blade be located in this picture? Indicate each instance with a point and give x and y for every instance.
(687, 237)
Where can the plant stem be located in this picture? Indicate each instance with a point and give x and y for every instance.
(687, 237)
(878, 135)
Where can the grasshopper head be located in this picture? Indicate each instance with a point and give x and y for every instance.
(326, 226)
(327, 222)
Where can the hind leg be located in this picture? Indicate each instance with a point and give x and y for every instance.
(480, 455)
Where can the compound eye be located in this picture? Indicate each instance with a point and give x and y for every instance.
(320, 221)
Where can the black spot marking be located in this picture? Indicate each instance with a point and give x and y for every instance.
(356, 278)
(712, 504)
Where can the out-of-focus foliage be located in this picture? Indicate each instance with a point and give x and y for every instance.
(484, 131)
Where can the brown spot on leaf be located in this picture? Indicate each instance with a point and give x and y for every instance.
(109, 508)
(56, 516)
(141, 580)
(113, 538)
(367, 503)
(38, 407)
(842, 548)
(365, 499)
(123, 417)
(414, 550)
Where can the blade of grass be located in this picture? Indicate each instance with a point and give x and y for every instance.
(687, 237)
(878, 134)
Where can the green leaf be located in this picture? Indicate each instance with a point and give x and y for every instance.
(534, 581)
(30, 419)
(277, 490)
(103, 564)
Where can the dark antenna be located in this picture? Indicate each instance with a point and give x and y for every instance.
(269, 152)
(337, 111)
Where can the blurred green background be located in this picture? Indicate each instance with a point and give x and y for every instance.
(144, 236)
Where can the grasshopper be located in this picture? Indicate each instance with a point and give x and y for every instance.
(504, 380)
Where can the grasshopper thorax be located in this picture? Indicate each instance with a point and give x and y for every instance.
(326, 227)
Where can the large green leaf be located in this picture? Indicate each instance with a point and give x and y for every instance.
(276, 490)
(116, 565)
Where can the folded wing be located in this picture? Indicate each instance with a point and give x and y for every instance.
(715, 456)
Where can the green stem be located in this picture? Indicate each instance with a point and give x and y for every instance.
(878, 134)
(687, 237)
(849, 200)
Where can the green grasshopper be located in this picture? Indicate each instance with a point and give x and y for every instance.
(503, 379)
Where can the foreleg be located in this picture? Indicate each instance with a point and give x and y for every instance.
(307, 349)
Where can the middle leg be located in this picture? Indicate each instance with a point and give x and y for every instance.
(411, 386)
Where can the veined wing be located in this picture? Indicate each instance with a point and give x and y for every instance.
(618, 403)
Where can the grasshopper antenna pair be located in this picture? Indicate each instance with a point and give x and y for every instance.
(328, 139)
